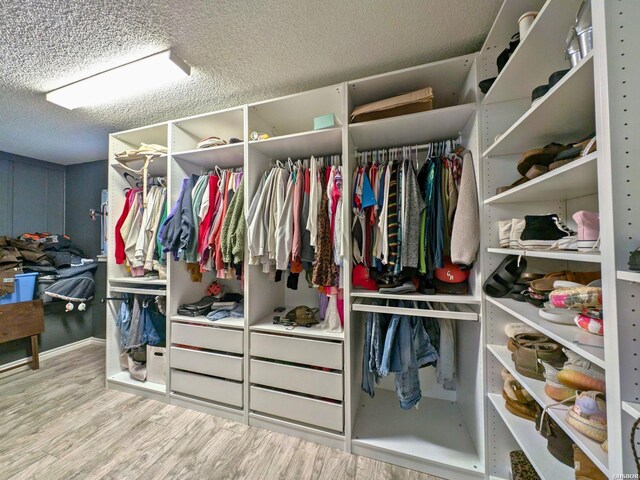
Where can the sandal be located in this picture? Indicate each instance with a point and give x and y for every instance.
(539, 156)
(534, 172)
(504, 278)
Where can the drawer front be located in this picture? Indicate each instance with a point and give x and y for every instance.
(216, 364)
(213, 338)
(301, 409)
(201, 386)
(297, 350)
(297, 379)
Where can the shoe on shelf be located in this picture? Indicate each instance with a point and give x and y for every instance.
(527, 355)
(546, 284)
(526, 338)
(589, 415)
(534, 172)
(559, 444)
(517, 400)
(552, 387)
(547, 232)
(590, 324)
(580, 374)
(517, 227)
(504, 232)
(634, 260)
(588, 230)
(585, 468)
(539, 156)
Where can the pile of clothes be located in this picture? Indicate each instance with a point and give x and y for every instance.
(63, 270)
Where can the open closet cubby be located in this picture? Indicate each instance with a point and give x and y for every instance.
(307, 382)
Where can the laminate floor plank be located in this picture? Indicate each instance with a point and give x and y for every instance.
(60, 423)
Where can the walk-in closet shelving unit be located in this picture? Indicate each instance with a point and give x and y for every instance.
(510, 126)
(119, 279)
(616, 39)
(296, 376)
(444, 436)
(206, 359)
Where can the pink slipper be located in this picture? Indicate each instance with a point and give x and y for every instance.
(591, 325)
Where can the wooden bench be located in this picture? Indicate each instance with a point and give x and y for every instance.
(22, 320)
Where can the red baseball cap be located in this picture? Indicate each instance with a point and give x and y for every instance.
(360, 278)
(451, 273)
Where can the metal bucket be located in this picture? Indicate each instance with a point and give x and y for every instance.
(572, 48)
(585, 40)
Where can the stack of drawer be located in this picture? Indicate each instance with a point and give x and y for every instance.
(207, 363)
(309, 392)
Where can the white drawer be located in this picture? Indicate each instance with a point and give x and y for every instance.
(216, 364)
(297, 350)
(297, 379)
(294, 407)
(213, 338)
(209, 388)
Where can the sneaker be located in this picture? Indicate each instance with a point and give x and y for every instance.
(580, 374)
(588, 230)
(517, 226)
(552, 387)
(589, 415)
(547, 232)
(504, 232)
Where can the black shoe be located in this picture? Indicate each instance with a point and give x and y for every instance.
(547, 232)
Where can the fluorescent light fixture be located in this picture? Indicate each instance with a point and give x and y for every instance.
(131, 78)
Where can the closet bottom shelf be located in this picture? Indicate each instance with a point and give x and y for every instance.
(532, 443)
(124, 378)
(435, 433)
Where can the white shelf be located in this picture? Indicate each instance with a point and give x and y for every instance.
(301, 145)
(628, 276)
(229, 322)
(435, 432)
(267, 325)
(139, 280)
(124, 378)
(532, 443)
(224, 156)
(458, 311)
(416, 128)
(156, 168)
(139, 291)
(156, 133)
(567, 255)
(576, 179)
(418, 297)
(557, 412)
(538, 55)
(586, 344)
(632, 408)
(565, 114)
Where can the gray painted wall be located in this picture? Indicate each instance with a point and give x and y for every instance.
(32, 199)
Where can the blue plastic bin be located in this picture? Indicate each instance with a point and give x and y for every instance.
(25, 286)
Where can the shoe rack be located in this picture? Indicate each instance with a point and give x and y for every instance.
(577, 105)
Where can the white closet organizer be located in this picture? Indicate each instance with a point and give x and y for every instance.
(119, 279)
(572, 109)
(307, 382)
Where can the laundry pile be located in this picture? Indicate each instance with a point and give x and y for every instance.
(412, 219)
(402, 344)
(206, 227)
(64, 272)
(136, 242)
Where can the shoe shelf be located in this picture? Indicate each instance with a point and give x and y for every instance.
(586, 344)
(229, 322)
(415, 128)
(300, 145)
(632, 408)
(565, 114)
(223, 156)
(138, 280)
(557, 412)
(567, 255)
(266, 325)
(628, 276)
(576, 179)
(532, 443)
(542, 46)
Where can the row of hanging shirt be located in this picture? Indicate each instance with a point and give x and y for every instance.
(404, 217)
(295, 224)
(136, 230)
(206, 227)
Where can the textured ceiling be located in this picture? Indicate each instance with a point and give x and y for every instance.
(240, 51)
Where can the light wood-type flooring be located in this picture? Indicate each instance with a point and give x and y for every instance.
(61, 423)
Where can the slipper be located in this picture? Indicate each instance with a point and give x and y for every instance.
(503, 278)
(539, 156)
(562, 316)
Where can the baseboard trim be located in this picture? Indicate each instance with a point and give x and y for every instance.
(54, 352)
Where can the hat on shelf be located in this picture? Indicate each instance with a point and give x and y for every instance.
(360, 278)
